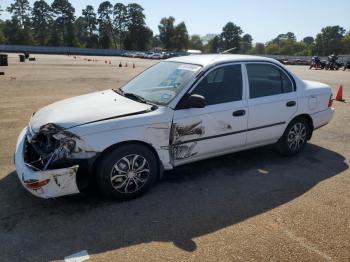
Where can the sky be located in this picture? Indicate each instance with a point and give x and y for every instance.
(264, 19)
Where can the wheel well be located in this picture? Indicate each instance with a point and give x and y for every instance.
(309, 121)
(112, 147)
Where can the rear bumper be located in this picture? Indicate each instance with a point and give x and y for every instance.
(58, 182)
(322, 118)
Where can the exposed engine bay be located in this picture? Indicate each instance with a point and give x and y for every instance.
(53, 147)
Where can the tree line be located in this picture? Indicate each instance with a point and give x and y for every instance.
(123, 26)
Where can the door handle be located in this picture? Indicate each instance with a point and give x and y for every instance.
(239, 113)
(291, 103)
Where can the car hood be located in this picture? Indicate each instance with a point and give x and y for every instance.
(85, 109)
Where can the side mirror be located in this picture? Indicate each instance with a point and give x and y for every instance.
(192, 101)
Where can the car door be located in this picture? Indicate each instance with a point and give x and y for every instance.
(217, 128)
(272, 102)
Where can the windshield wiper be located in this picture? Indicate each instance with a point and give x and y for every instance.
(135, 97)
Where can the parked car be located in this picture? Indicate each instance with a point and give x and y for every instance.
(176, 112)
(346, 65)
(148, 55)
(157, 56)
(139, 54)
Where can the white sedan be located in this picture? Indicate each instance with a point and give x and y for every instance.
(178, 111)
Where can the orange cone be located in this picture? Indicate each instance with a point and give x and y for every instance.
(126, 64)
(110, 62)
(339, 96)
(133, 65)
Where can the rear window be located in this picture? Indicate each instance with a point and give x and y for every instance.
(267, 80)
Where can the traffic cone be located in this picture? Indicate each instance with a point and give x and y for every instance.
(110, 62)
(339, 96)
(126, 64)
(120, 64)
(133, 65)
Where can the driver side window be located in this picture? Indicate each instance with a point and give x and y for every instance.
(221, 85)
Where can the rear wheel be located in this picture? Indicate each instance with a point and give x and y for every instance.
(295, 137)
(127, 172)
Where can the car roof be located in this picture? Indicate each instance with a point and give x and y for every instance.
(207, 60)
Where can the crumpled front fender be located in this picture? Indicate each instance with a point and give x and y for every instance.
(58, 182)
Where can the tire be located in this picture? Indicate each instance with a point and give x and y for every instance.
(291, 144)
(117, 175)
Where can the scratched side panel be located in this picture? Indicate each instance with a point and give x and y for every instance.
(152, 128)
(207, 132)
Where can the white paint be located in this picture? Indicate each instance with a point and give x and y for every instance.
(86, 108)
(78, 257)
(155, 127)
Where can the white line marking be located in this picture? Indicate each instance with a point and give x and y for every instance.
(78, 257)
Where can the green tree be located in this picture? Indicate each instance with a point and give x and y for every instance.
(214, 44)
(64, 14)
(258, 49)
(196, 42)
(272, 49)
(81, 32)
(90, 23)
(106, 31)
(138, 37)
(346, 44)
(329, 40)
(246, 43)
(231, 37)
(308, 40)
(41, 21)
(180, 38)
(18, 29)
(55, 35)
(2, 37)
(120, 19)
(20, 11)
(15, 34)
(156, 43)
(166, 32)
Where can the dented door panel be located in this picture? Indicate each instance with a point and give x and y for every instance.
(203, 132)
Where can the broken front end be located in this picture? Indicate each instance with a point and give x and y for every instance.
(47, 162)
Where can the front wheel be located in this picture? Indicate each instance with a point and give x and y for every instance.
(294, 138)
(127, 172)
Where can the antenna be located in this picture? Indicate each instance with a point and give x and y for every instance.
(228, 50)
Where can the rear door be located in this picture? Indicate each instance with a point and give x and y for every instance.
(218, 127)
(272, 102)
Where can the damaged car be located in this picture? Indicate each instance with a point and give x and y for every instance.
(176, 112)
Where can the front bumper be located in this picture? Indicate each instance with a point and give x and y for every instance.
(58, 182)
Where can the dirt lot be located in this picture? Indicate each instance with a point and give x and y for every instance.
(249, 206)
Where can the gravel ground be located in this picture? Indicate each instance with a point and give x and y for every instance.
(249, 206)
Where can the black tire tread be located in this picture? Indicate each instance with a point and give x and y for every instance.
(106, 163)
(282, 142)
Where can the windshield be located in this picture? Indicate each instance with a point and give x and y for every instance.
(162, 82)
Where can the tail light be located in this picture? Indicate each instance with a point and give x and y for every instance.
(330, 102)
